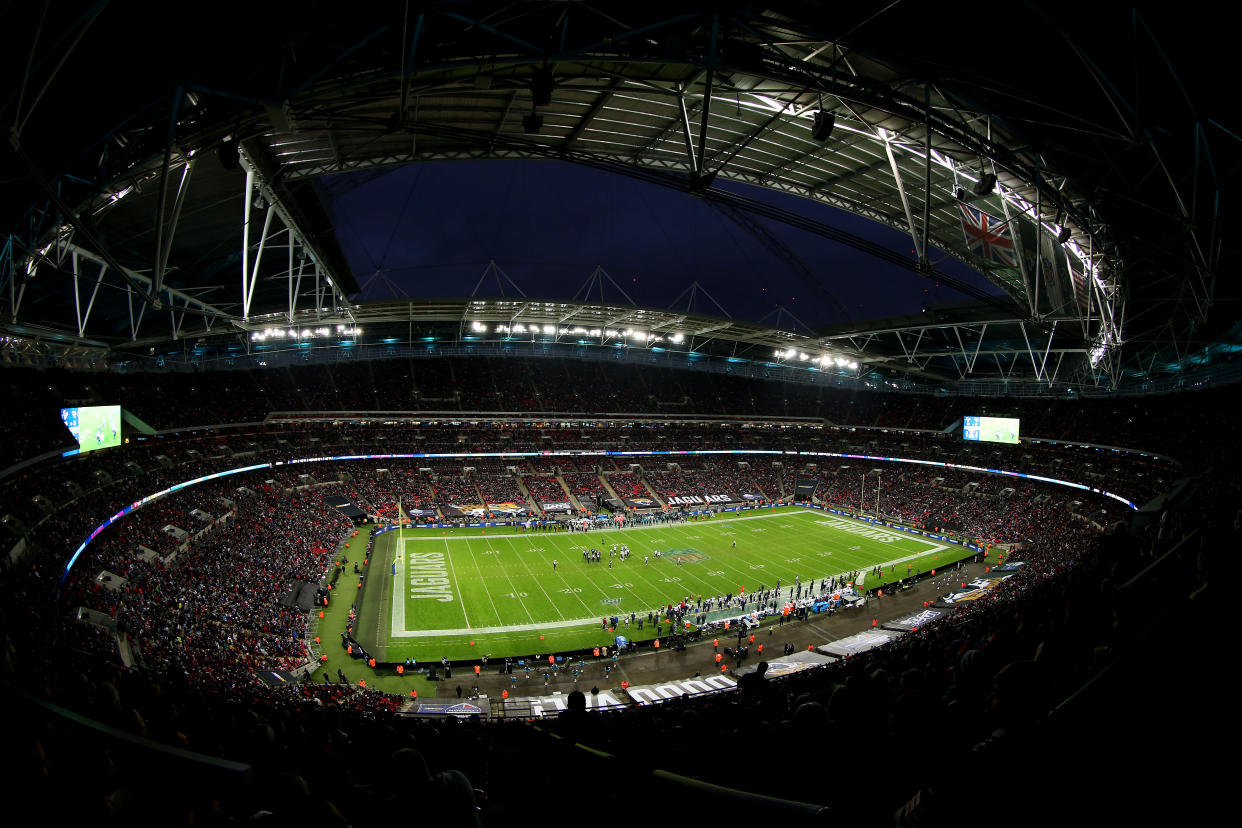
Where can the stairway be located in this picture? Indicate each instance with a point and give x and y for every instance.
(573, 501)
(531, 503)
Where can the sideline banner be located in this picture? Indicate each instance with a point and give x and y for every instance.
(858, 643)
(913, 621)
(700, 500)
(656, 693)
(508, 507)
(786, 664)
(535, 707)
(477, 510)
(462, 709)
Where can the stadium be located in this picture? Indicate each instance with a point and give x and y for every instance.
(463, 411)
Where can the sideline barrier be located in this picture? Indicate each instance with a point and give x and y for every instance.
(485, 525)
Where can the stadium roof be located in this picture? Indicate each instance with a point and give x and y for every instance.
(164, 189)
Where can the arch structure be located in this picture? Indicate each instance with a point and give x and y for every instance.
(197, 221)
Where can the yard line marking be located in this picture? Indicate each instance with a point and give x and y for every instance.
(539, 582)
(635, 573)
(516, 593)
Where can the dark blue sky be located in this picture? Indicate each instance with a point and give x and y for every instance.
(432, 228)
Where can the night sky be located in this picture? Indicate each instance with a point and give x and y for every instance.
(430, 230)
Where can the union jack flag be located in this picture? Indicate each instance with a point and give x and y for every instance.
(987, 236)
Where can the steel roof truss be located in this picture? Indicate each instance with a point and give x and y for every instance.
(83, 318)
(584, 122)
(970, 359)
(1057, 369)
(901, 189)
(691, 158)
(294, 281)
(134, 322)
(910, 353)
(250, 279)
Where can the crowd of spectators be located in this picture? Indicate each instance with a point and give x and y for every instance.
(977, 685)
(762, 477)
(214, 610)
(147, 465)
(456, 490)
(500, 488)
(712, 480)
(34, 427)
(627, 484)
(177, 400)
(380, 485)
(659, 478)
(544, 489)
(101, 483)
(586, 485)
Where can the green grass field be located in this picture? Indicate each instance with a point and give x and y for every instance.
(461, 593)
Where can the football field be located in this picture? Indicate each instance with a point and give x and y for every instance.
(461, 593)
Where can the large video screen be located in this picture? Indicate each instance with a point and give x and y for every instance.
(990, 429)
(94, 427)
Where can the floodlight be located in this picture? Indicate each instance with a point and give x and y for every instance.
(822, 126)
(985, 185)
(541, 87)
